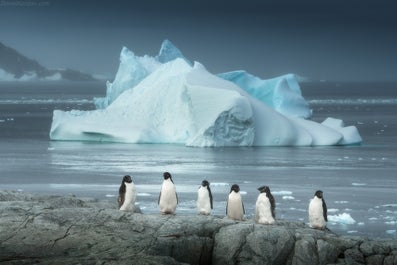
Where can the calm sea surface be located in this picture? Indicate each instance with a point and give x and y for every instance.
(359, 182)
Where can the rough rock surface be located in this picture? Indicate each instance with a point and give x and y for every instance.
(70, 230)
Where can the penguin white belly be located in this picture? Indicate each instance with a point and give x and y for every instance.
(203, 201)
(168, 200)
(129, 197)
(316, 216)
(235, 206)
(263, 211)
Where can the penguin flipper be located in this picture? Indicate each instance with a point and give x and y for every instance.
(158, 201)
(210, 197)
(242, 204)
(176, 194)
(325, 211)
(120, 201)
(272, 205)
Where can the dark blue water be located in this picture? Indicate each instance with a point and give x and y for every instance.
(359, 182)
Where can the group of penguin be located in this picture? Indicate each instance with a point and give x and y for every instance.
(265, 208)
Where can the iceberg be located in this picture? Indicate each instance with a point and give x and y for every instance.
(166, 99)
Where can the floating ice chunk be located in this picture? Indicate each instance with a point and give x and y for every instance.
(287, 197)
(282, 192)
(143, 194)
(343, 218)
(358, 184)
(341, 202)
(390, 205)
(219, 184)
(333, 210)
(391, 232)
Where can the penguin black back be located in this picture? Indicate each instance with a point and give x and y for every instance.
(206, 184)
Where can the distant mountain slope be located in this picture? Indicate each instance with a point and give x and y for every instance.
(16, 66)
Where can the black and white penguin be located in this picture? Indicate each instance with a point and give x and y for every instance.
(127, 194)
(318, 211)
(235, 207)
(168, 199)
(265, 208)
(204, 198)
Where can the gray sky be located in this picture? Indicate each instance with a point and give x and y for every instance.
(332, 40)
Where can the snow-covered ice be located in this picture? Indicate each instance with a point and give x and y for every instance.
(166, 99)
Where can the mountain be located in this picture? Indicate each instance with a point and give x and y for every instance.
(15, 66)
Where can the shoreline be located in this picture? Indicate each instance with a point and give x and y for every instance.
(68, 229)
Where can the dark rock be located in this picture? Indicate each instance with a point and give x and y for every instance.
(327, 253)
(70, 230)
(354, 256)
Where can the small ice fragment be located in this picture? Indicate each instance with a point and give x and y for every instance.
(287, 197)
(358, 184)
(282, 192)
(343, 218)
(144, 194)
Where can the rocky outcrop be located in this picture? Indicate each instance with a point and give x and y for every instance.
(71, 230)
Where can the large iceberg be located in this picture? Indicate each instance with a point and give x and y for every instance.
(166, 99)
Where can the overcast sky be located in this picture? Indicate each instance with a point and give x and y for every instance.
(331, 40)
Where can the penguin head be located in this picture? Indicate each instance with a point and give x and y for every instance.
(167, 175)
(205, 183)
(265, 189)
(319, 194)
(235, 188)
(127, 178)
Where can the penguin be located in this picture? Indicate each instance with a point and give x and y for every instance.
(168, 199)
(235, 207)
(318, 211)
(127, 194)
(204, 198)
(265, 208)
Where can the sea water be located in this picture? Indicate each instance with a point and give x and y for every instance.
(359, 182)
